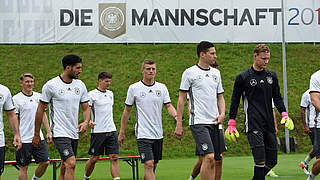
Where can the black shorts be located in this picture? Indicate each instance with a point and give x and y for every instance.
(264, 146)
(209, 139)
(316, 142)
(150, 149)
(104, 144)
(311, 135)
(2, 157)
(67, 147)
(40, 153)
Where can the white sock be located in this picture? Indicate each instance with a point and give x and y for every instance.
(86, 178)
(307, 160)
(116, 178)
(35, 177)
(191, 178)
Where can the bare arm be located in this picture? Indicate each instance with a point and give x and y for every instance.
(86, 116)
(37, 124)
(46, 125)
(303, 120)
(13, 121)
(171, 110)
(221, 109)
(180, 106)
(124, 122)
(315, 100)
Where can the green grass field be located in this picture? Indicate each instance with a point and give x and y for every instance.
(239, 168)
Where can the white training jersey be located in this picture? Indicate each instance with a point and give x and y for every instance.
(64, 99)
(315, 87)
(26, 108)
(148, 101)
(6, 104)
(101, 111)
(203, 86)
(310, 110)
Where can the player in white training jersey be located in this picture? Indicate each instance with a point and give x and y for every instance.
(6, 104)
(148, 96)
(26, 103)
(307, 110)
(315, 100)
(63, 94)
(104, 137)
(207, 108)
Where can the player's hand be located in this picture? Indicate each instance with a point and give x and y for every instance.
(307, 130)
(121, 138)
(36, 140)
(287, 121)
(231, 132)
(219, 119)
(82, 127)
(17, 142)
(178, 133)
(49, 138)
(92, 124)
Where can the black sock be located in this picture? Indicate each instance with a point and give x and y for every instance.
(258, 172)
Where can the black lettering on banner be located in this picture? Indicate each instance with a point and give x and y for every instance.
(174, 19)
(144, 17)
(156, 17)
(245, 17)
(215, 23)
(76, 17)
(85, 17)
(63, 12)
(234, 16)
(258, 16)
(184, 15)
(275, 12)
(200, 16)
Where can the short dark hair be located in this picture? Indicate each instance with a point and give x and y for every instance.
(204, 46)
(25, 75)
(147, 61)
(261, 48)
(104, 75)
(70, 60)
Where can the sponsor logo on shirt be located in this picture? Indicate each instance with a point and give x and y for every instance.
(158, 93)
(215, 78)
(1, 98)
(77, 90)
(253, 82)
(142, 94)
(199, 77)
(61, 92)
(269, 80)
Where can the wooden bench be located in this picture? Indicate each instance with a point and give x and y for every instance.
(132, 161)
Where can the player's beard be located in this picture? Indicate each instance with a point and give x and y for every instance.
(73, 76)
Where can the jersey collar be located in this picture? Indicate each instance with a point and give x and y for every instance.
(147, 84)
(64, 81)
(202, 68)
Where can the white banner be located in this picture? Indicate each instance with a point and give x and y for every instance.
(157, 21)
